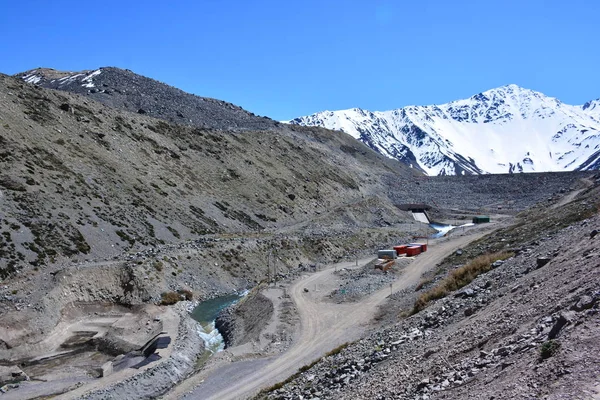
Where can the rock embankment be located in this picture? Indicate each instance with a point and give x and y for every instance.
(242, 322)
(488, 193)
(355, 284)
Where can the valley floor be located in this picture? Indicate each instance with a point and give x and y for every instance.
(324, 325)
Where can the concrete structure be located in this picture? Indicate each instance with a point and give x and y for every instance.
(106, 369)
(387, 254)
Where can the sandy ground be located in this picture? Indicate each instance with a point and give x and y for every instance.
(323, 327)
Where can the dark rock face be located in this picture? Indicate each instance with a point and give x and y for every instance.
(126, 90)
(226, 325)
(586, 302)
(243, 321)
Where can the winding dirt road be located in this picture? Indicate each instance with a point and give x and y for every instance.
(324, 326)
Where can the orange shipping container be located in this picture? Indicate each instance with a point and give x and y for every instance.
(413, 251)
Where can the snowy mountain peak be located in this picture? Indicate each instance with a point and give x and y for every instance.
(506, 129)
(508, 90)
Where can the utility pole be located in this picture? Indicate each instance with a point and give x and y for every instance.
(275, 270)
(269, 268)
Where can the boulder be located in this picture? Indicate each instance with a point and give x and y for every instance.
(584, 303)
(106, 369)
(563, 319)
(541, 261)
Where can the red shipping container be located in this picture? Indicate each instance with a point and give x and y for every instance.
(423, 246)
(413, 251)
(400, 249)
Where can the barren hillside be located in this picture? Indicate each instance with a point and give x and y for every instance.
(79, 178)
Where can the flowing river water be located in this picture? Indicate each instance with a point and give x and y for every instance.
(206, 312)
(442, 230)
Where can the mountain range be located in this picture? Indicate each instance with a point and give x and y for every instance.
(504, 130)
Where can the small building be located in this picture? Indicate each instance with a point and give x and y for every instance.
(481, 219)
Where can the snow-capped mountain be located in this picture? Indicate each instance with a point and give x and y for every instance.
(508, 129)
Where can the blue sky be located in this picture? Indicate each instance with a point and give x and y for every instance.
(290, 58)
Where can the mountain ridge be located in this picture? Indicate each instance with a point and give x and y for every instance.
(446, 139)
(122, 88)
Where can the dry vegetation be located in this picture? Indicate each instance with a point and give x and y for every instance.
(170, 298)
(459, 278)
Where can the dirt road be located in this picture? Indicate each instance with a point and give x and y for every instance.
(324, 326)
(587, 183)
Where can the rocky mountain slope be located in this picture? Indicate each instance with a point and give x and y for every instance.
(101, 206)
(83, 180)
(503, 130)
(136, 93)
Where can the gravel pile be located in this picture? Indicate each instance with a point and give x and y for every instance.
(487, 193)
(358, 283)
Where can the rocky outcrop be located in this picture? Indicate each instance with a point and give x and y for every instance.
(242, 322)
(226, 324)
(11, 374)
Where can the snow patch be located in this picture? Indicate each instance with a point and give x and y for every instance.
(88, 79)
(32, 78)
